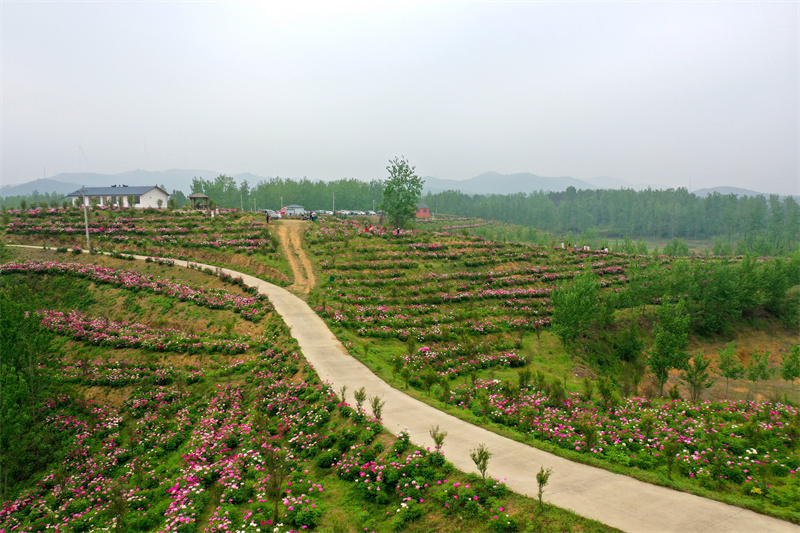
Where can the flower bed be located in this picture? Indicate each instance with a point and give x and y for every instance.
(251, 308)
(103, 332)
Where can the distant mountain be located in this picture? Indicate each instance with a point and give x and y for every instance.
(486, 183)
(496, 183)
(42, 185)
(65, 183)
(727, 190)
(608, 182)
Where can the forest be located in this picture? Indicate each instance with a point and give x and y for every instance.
(760, 225)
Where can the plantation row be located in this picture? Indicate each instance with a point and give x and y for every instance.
(250, 308)
(487, 319)
(187, 231)
(238, 456)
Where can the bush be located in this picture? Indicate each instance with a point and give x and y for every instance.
(406, 515)
(502, 523)
(402, 443)
(327, 459)
(304, 517)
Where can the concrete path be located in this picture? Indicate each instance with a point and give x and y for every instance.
(613, 499)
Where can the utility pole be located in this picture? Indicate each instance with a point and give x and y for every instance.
(241, 200)
(86, 218)
(334, 204)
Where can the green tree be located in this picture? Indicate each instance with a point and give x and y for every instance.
(542, 477)
(480, 456)
(575, 308)
(790, 367)
(697, 376)
(25, 382)
(672, 338)
(730, 366)
(758, 369)
(401, 191)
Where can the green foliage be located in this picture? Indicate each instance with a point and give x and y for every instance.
(671, 340)
(575, 308)
(401, 192)
(377, 406)
(402, 443)
(360, 397)
(542, 477)
(697, 376)
(752, 223)
(790, 364)
(438, 438)
(480, 456)
(26, 380)
(676, 247)
(730, 366)
(758, 369)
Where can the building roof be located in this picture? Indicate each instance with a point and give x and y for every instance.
(422, 206)
(295, 206)
(198, 195)
(122, 190)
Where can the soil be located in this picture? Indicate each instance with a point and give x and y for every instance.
(290, 234)
(775, 340)
(110, 396)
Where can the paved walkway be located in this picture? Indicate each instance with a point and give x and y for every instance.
(613, 499)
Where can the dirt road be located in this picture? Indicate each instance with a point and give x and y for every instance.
(290, 235)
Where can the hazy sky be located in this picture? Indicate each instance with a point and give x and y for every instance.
(648, 92)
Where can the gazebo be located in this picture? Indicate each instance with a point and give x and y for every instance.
(200, 201)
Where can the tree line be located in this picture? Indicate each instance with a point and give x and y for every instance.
(756, 224)
(706, 299)
(762, 225)
(268, 194)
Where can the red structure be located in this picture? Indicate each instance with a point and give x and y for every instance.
(423, 211)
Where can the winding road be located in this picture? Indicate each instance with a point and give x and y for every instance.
(613, 499)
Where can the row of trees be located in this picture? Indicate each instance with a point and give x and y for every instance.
(26, 381)
(740, 224)
(765, 225)
(704, 298)
(266, 194)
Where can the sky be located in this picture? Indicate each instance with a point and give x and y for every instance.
(673, 94)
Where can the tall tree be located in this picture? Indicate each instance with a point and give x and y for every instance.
(401, 191)
(575, 308)
(790, 364)
(672, 338)
(730, 366)
(697, 376)
(25, 380)
(758, 369)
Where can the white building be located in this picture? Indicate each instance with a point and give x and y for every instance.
(293, 210)
(122, 196)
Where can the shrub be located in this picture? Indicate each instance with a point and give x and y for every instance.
(502, 523)
(327, 459)
(402, 442)
(307, 517)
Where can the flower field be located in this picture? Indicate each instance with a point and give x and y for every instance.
(467, 307)
(466, 299)
(218, 421)
(191, 235)
(217, 431)
(221, 458)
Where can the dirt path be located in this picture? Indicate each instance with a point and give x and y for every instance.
(290, 234)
